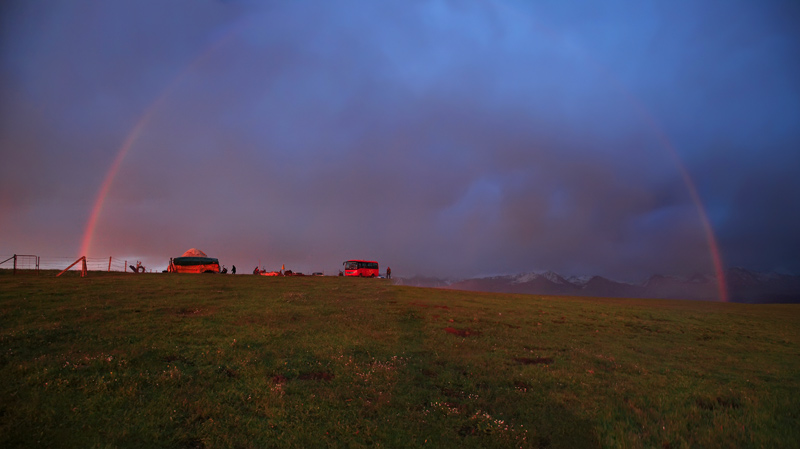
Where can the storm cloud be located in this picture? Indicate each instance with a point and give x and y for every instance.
(441, 138)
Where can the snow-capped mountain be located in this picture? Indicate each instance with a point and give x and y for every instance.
(580, 281)
(548, 275)
(742, 286)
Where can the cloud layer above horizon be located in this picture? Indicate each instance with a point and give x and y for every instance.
(440, 138)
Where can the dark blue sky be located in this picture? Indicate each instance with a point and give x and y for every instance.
(446, 138)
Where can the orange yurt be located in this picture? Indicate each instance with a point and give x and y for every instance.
(193, 261)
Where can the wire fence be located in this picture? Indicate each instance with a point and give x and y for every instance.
(33, 263)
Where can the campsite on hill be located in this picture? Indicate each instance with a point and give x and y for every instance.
(202, 361)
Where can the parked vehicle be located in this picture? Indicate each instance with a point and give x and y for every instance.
(361, 268)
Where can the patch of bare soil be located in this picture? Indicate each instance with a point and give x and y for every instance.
(279, 379)
(428, 373)
(177, 358)
(230, 372)
(462, 332)
(191, 312)
(253, 320)
(193, 443)
(319, 375)
(425, 306)
(719, 402)
(533, 361)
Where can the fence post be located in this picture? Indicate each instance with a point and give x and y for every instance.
(83, 267)
(125, 267)
(109, 264)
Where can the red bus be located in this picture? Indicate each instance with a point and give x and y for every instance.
(361, 268)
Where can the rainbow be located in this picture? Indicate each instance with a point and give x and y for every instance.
(643, 112)
(708, 230)
(661, 135)
(133, 136)
(91, 224)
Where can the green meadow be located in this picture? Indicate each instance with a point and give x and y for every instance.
(216, 361)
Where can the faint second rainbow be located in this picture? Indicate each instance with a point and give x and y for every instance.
(653, 124)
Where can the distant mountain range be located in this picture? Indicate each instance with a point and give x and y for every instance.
(743, 286)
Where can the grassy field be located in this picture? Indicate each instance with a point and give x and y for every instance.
(206, 361)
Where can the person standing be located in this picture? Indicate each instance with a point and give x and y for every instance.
(388, 273)
(233, 269)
